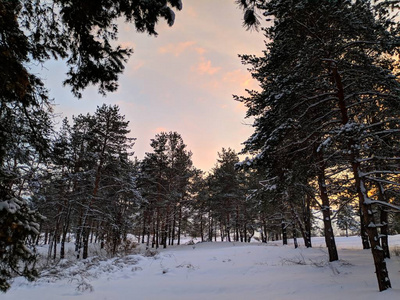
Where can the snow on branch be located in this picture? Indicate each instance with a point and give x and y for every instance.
(383, 203)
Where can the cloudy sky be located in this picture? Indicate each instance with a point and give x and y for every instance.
(182, 80)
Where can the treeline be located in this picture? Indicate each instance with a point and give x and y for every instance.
(90, 189)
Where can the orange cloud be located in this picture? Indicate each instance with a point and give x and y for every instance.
(200, 50)
(160, 129)
(240, 77)
(176, 49)
(137, 65)
(205, 67)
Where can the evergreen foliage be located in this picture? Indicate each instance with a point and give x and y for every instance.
(83, 34)
(164, 180)
(329, 102)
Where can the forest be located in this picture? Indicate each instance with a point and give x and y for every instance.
(324, 152)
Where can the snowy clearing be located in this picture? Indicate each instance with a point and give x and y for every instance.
(220, 271)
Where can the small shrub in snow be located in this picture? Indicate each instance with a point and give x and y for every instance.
(150, 253)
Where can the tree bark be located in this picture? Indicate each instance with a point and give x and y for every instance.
(364, 203)
(307, 221)
(284, 232)
(326, 210)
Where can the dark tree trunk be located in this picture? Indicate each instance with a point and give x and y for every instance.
(179, 225)
(63, 238)
(307, 221)
(144, 226)
(85, 240)
(363, 232)
(384, 222)
(372, 231)
(366, 208)
(326, 210)
(173, 237)
(384, 232)
(157, 229)
(296, 245)
(265, 231)
(201, 228)
(284, 232)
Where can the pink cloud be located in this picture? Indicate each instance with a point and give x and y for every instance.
(176, 49)
(240, 77)
(160, 129)
(200, 50)
(205, 67)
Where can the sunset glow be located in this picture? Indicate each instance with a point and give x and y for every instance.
(182, 80)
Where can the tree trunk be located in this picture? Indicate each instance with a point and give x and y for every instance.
(326, 210)
(85, 241)
(157, 229)
(363, 232)
(201, 228)
(364, 202)
(144, 226)
(384, 222)
(384, 232)
(307, 221)
(296, 245)
(284, 232)
(64, 237)
(372, 231)
(173, 237)
(179, 225)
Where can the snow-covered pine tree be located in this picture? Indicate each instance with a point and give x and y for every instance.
(25, 126)
(164, 181)
(346, 219)
(288, 138)
(342, 72)
(107, 158)
(227, 194)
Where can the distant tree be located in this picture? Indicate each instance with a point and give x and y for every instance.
(227, 194)
(164, 181)
(199, 209)
(90, 187)
(346, 219)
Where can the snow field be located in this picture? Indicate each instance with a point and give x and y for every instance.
(220, 271)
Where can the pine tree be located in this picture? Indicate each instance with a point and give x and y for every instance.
(164, 182)
(337, 94)
(227, 194)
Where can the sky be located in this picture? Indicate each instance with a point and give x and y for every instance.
(182, 80)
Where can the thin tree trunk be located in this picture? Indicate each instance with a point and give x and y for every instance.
(307, 221)
(384, 222)
(326, 210)
(179, 225)
(157, 228)
(284, 232)
(296, 245)
(173, 237)
(201, 228)
(144, 226)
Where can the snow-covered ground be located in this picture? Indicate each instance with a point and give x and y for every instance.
(219, 271)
